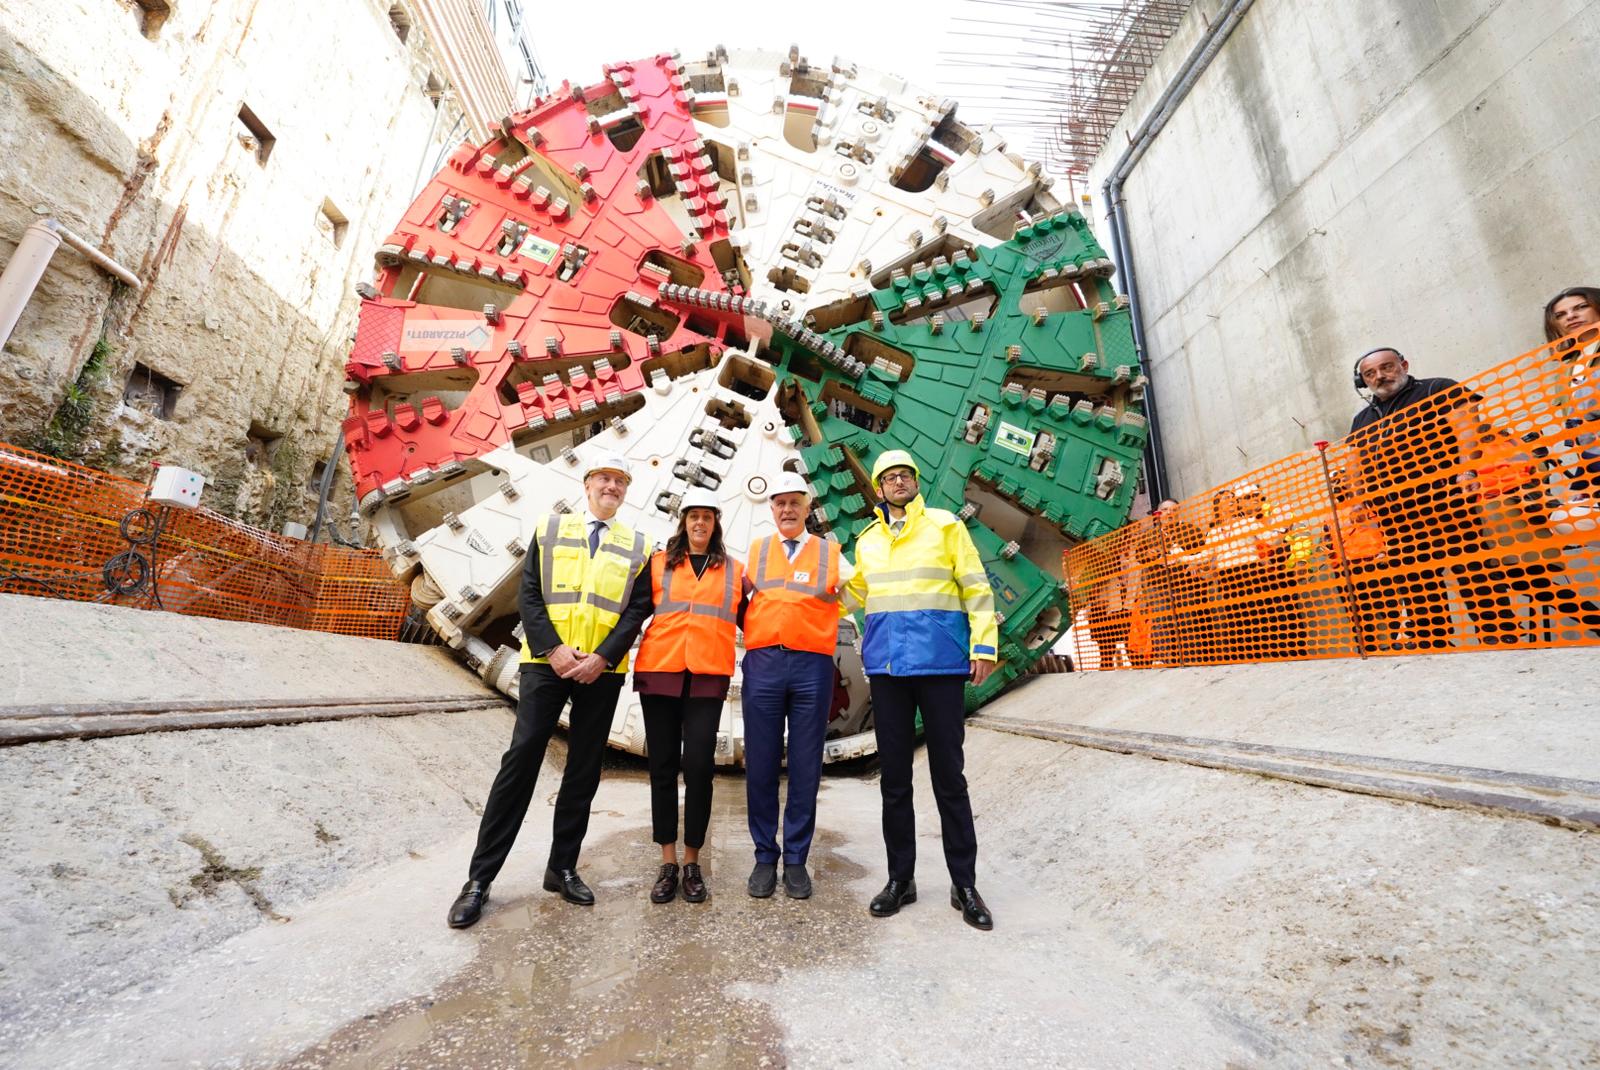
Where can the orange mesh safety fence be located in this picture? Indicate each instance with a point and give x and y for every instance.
(1468, 519)
(76, 533)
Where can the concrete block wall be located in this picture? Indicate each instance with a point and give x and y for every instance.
(134, 140)
(1347, 174)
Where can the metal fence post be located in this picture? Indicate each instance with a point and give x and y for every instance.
(1344, 562)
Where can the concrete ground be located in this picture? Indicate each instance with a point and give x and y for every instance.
(72, 653)
(1526, 711)
(1149, 915)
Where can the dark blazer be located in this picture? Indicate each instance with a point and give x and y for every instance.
(542, 635)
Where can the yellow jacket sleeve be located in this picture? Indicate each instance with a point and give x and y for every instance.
(853, 595)
(977, 598)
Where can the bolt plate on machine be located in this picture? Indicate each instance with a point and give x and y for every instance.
(724, 268)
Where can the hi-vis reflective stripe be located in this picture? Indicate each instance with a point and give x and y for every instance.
(548, 541)
(900, 603)
(983, 603)
(726, 612)
(817, 589)
(551, 538)
(547, 561)
(635, 557)
(926, 573)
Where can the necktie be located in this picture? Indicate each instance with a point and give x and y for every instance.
(790, 546)
(596, 529)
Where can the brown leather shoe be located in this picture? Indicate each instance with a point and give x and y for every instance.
(694, 883)
(666, 886)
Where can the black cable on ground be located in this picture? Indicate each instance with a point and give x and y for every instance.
(7, 575)
(155, 543)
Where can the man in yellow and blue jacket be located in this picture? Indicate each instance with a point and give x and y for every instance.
(930, 628)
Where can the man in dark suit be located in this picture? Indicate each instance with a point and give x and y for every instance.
(582, 606)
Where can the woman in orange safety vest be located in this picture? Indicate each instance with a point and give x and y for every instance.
(1514, 510)
(681, 673)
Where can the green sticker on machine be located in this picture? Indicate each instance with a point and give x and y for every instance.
(1013, 438)
(541, 250)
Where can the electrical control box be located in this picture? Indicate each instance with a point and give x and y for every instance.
(177, 486)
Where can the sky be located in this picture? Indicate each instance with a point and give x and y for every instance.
(883, 36)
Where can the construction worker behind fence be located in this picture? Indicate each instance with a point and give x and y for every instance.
(1372, 606)
(1514, 509)
(1574, 315)
(1239, 553)
(1165, 596)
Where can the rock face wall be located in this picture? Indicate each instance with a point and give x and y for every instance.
(1348, 174)
(242, 157)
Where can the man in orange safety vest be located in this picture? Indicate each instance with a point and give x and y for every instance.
(790, 630)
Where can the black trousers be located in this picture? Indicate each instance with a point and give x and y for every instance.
(1493, 584)
(895, 703)
(681, 736)
(541, 696)
(1375, 609)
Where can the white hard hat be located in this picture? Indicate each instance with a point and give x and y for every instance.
(789, 483)
(610, 462)
(1244, 489)
(699, 498)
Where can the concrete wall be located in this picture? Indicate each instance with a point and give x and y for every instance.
(133, 139)
(1350, 173)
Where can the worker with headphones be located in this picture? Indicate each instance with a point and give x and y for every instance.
(1383, 377)
(1426, 522)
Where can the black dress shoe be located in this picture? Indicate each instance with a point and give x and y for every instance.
(895, 895)
(796, 882)
(763, 880)
(569, 884)
(973, 910)
(468, 906)
(666, 886)
(694, 883)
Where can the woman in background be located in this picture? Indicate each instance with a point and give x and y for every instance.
(1575, 311)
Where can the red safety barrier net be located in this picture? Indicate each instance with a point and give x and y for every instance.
(1469, 519)
(72, 532)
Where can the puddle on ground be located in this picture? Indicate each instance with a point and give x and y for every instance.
(626, 982)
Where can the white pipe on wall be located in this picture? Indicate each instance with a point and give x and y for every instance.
(22, 274)
(95, 256)
(27, 266)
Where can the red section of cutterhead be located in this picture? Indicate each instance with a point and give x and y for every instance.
(559, 225)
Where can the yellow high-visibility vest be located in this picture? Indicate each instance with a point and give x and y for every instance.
(584, 595)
